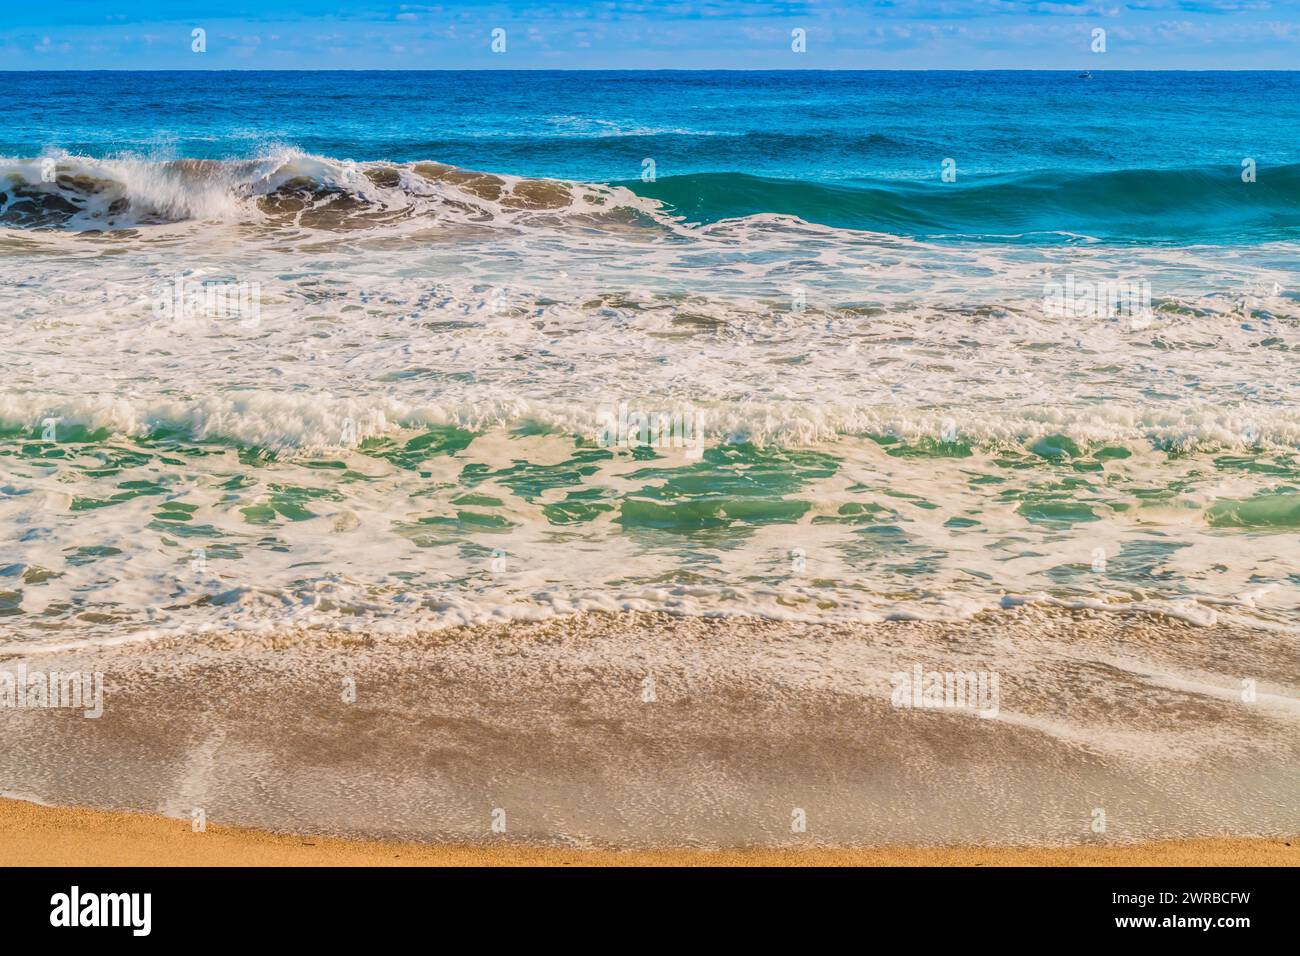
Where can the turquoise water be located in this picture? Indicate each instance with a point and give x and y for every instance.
(364, 350)
(1125, 156)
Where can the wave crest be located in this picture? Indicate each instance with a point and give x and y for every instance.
(287, 189)
(290, 188)
(1208, 203)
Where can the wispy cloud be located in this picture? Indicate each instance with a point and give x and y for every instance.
(612, 34)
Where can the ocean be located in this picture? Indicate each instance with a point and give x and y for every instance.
(392, 352)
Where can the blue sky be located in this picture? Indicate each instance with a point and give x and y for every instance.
(672, 34)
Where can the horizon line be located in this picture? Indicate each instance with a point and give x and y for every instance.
(665, 69)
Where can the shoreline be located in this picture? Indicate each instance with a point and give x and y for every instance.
(36, 835)
(646, 732)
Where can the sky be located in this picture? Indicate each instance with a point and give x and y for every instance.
(670, 34)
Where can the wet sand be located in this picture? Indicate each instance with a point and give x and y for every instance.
(566, 739)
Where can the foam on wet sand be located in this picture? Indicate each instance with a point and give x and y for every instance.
(638, 731)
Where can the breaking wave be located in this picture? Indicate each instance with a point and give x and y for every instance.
(295, 188)
(286, 188)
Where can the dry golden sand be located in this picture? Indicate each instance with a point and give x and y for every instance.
(34, 835)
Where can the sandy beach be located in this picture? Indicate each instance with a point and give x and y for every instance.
(423, 448)
(651, 738)
(34, 835)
